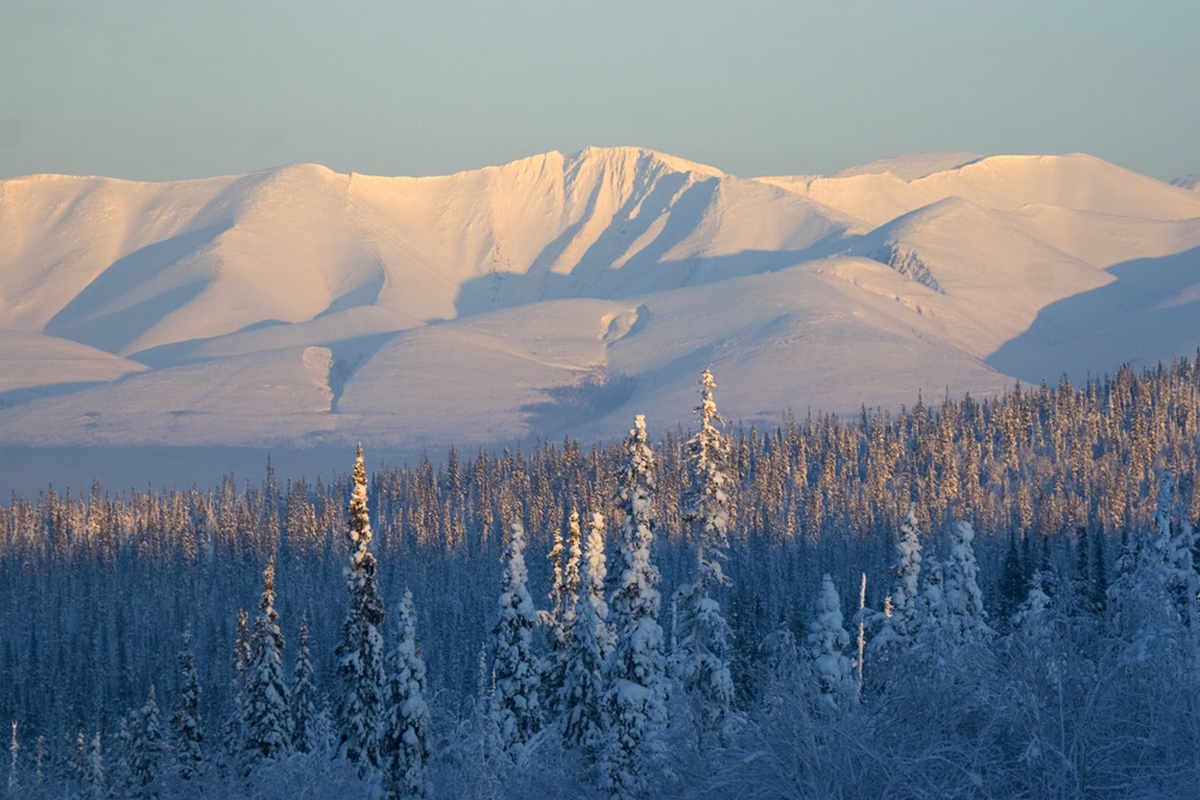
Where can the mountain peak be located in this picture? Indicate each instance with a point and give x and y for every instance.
(641, 157)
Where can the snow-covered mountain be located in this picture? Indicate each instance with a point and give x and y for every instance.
(561, 294)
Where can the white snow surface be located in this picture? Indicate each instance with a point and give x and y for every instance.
(561, 294)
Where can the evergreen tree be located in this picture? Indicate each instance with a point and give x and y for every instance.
(1031, 611)
(360, 653)
(907, 571)
(1014, 589)
(827, 639)
(635, 702)
(516, 671)
(189, 737)
(268, 721)
(964, 600)
(1099, 588)
(235, 733)
(560, 620)
(148, 747)
(93, 782)
(591, 645)
(14, 752)
(1182, 581)
(902, 606)
(305, 738)
(407, 727)
(703, 656)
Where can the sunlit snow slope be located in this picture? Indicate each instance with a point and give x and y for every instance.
(561, 294)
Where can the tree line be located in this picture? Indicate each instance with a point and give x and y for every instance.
(753, 533)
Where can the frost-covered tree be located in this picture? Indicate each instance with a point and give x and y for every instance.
(268, 720)
(305, 738)
(903, 605)
(964, 600)
(635, 702)
(590, 647)
(560, 619)
(14, 753)
(406, 731)
(189, 736)
(907, 572)
(1181, 579)
(827, 639)
(516, 670)
(1155, 593)
(1031, 612)
(234, 732)
(148, 749)
(93, 779)
(360, 652)
(702, 656)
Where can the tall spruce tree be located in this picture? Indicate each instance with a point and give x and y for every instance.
(93, 783)
(148, 748)
(234, 732)
(268, 721)
(827, 639)
(406, 728)
(360, 652)
(305, 738)
(189, 737)
(516, 670)
(702, 659)
(560, 619)
(635, 702)
(591, 645)
(964, 599)
(1014, 588)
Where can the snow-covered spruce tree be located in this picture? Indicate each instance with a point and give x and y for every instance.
(590, 646)
(147, 749)
(305, 737)
(897, 625)
(406, 731)
(1181, 579)
(516, 671)
(14, 753)
(189, 737)
(560, 619)
(635, 702)
(827, 638)
(1031, 612)
(702, 656)
(234, 733)
(965, 616)
(1155, 590)
(907, 571)
(268, 720)
(360, 653)
(93, 779)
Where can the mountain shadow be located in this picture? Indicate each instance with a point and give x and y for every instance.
(1150, 312)
(104, 315)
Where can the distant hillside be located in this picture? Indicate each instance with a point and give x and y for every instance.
(298, 307)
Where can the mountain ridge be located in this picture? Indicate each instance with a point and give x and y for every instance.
(562, 293)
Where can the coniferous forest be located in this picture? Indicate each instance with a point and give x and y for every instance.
(968, 598)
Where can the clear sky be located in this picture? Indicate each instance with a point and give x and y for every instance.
(167, 89)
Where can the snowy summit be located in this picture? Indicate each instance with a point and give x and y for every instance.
(563, 293)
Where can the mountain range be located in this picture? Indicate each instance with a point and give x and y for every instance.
(562, 294)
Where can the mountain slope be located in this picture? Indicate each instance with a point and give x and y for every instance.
(561, 294)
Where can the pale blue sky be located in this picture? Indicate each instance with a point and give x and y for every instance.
(168, 89)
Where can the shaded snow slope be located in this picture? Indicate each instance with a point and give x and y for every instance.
(561, 294)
